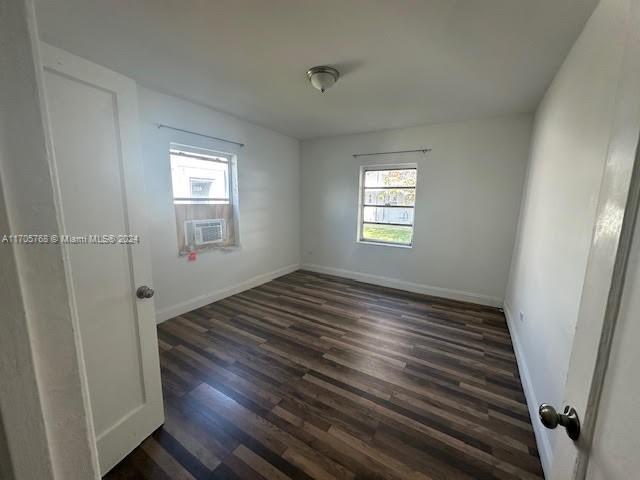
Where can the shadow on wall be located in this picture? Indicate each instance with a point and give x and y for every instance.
(6, 472)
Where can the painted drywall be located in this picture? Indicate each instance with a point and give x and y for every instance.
(269, 201)
(568, 150)
(468, 198)
(43, 391)
(6, 470)
(427, 61)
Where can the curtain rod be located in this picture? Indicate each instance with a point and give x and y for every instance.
(160, 125)
(423, 150)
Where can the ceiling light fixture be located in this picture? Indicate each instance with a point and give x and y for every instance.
(323, 77)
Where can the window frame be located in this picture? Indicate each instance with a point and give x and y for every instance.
(362, 204)
(204, 148)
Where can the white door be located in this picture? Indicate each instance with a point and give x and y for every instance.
(615, 453)
(590, 382)
(94, 125)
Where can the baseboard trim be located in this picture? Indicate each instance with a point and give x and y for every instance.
(202, 300)
(541, 434)
(408, 286)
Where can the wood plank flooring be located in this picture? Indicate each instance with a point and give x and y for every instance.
(317, 377)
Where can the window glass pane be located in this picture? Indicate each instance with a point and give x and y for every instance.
(200, 187)
(388, 215)
(199, 178)
(387, 234)
(389, 196)
(390, 178)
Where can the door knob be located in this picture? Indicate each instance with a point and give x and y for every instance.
(568, 419)
(144, 292)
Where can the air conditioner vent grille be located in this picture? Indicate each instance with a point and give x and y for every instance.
(205, 232)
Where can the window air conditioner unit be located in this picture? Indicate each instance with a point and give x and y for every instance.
(205, 232)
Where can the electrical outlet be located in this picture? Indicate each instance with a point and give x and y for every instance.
(521, 316)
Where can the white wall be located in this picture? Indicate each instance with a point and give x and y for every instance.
(568, 150)
(468, 198)
(6, 470)
(269, 191)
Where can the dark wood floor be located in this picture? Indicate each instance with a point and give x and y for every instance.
(312, 376)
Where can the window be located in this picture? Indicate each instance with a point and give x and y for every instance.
(199, 177)
(387, 204)
(204, 197)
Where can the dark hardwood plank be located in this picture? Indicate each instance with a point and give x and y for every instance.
(317, 377)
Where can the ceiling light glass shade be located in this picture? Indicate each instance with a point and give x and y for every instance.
(323, 77)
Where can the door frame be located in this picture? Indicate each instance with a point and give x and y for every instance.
(618, 204)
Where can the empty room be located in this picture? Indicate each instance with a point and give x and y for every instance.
(351, 239)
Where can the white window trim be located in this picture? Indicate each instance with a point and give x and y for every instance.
(368, 168)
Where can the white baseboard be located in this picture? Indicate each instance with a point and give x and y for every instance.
(408, 286)
(202, 300)
(541, 433)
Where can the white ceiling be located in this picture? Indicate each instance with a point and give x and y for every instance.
(404, 62)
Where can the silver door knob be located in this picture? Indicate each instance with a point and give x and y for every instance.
(144, 292)
(568, 419)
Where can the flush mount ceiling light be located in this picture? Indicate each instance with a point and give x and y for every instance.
(323, 77)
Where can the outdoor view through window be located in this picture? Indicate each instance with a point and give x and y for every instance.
(388, 199)
(199, 177)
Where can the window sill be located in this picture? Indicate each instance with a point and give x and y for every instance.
(213, 248)
(382, 244)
